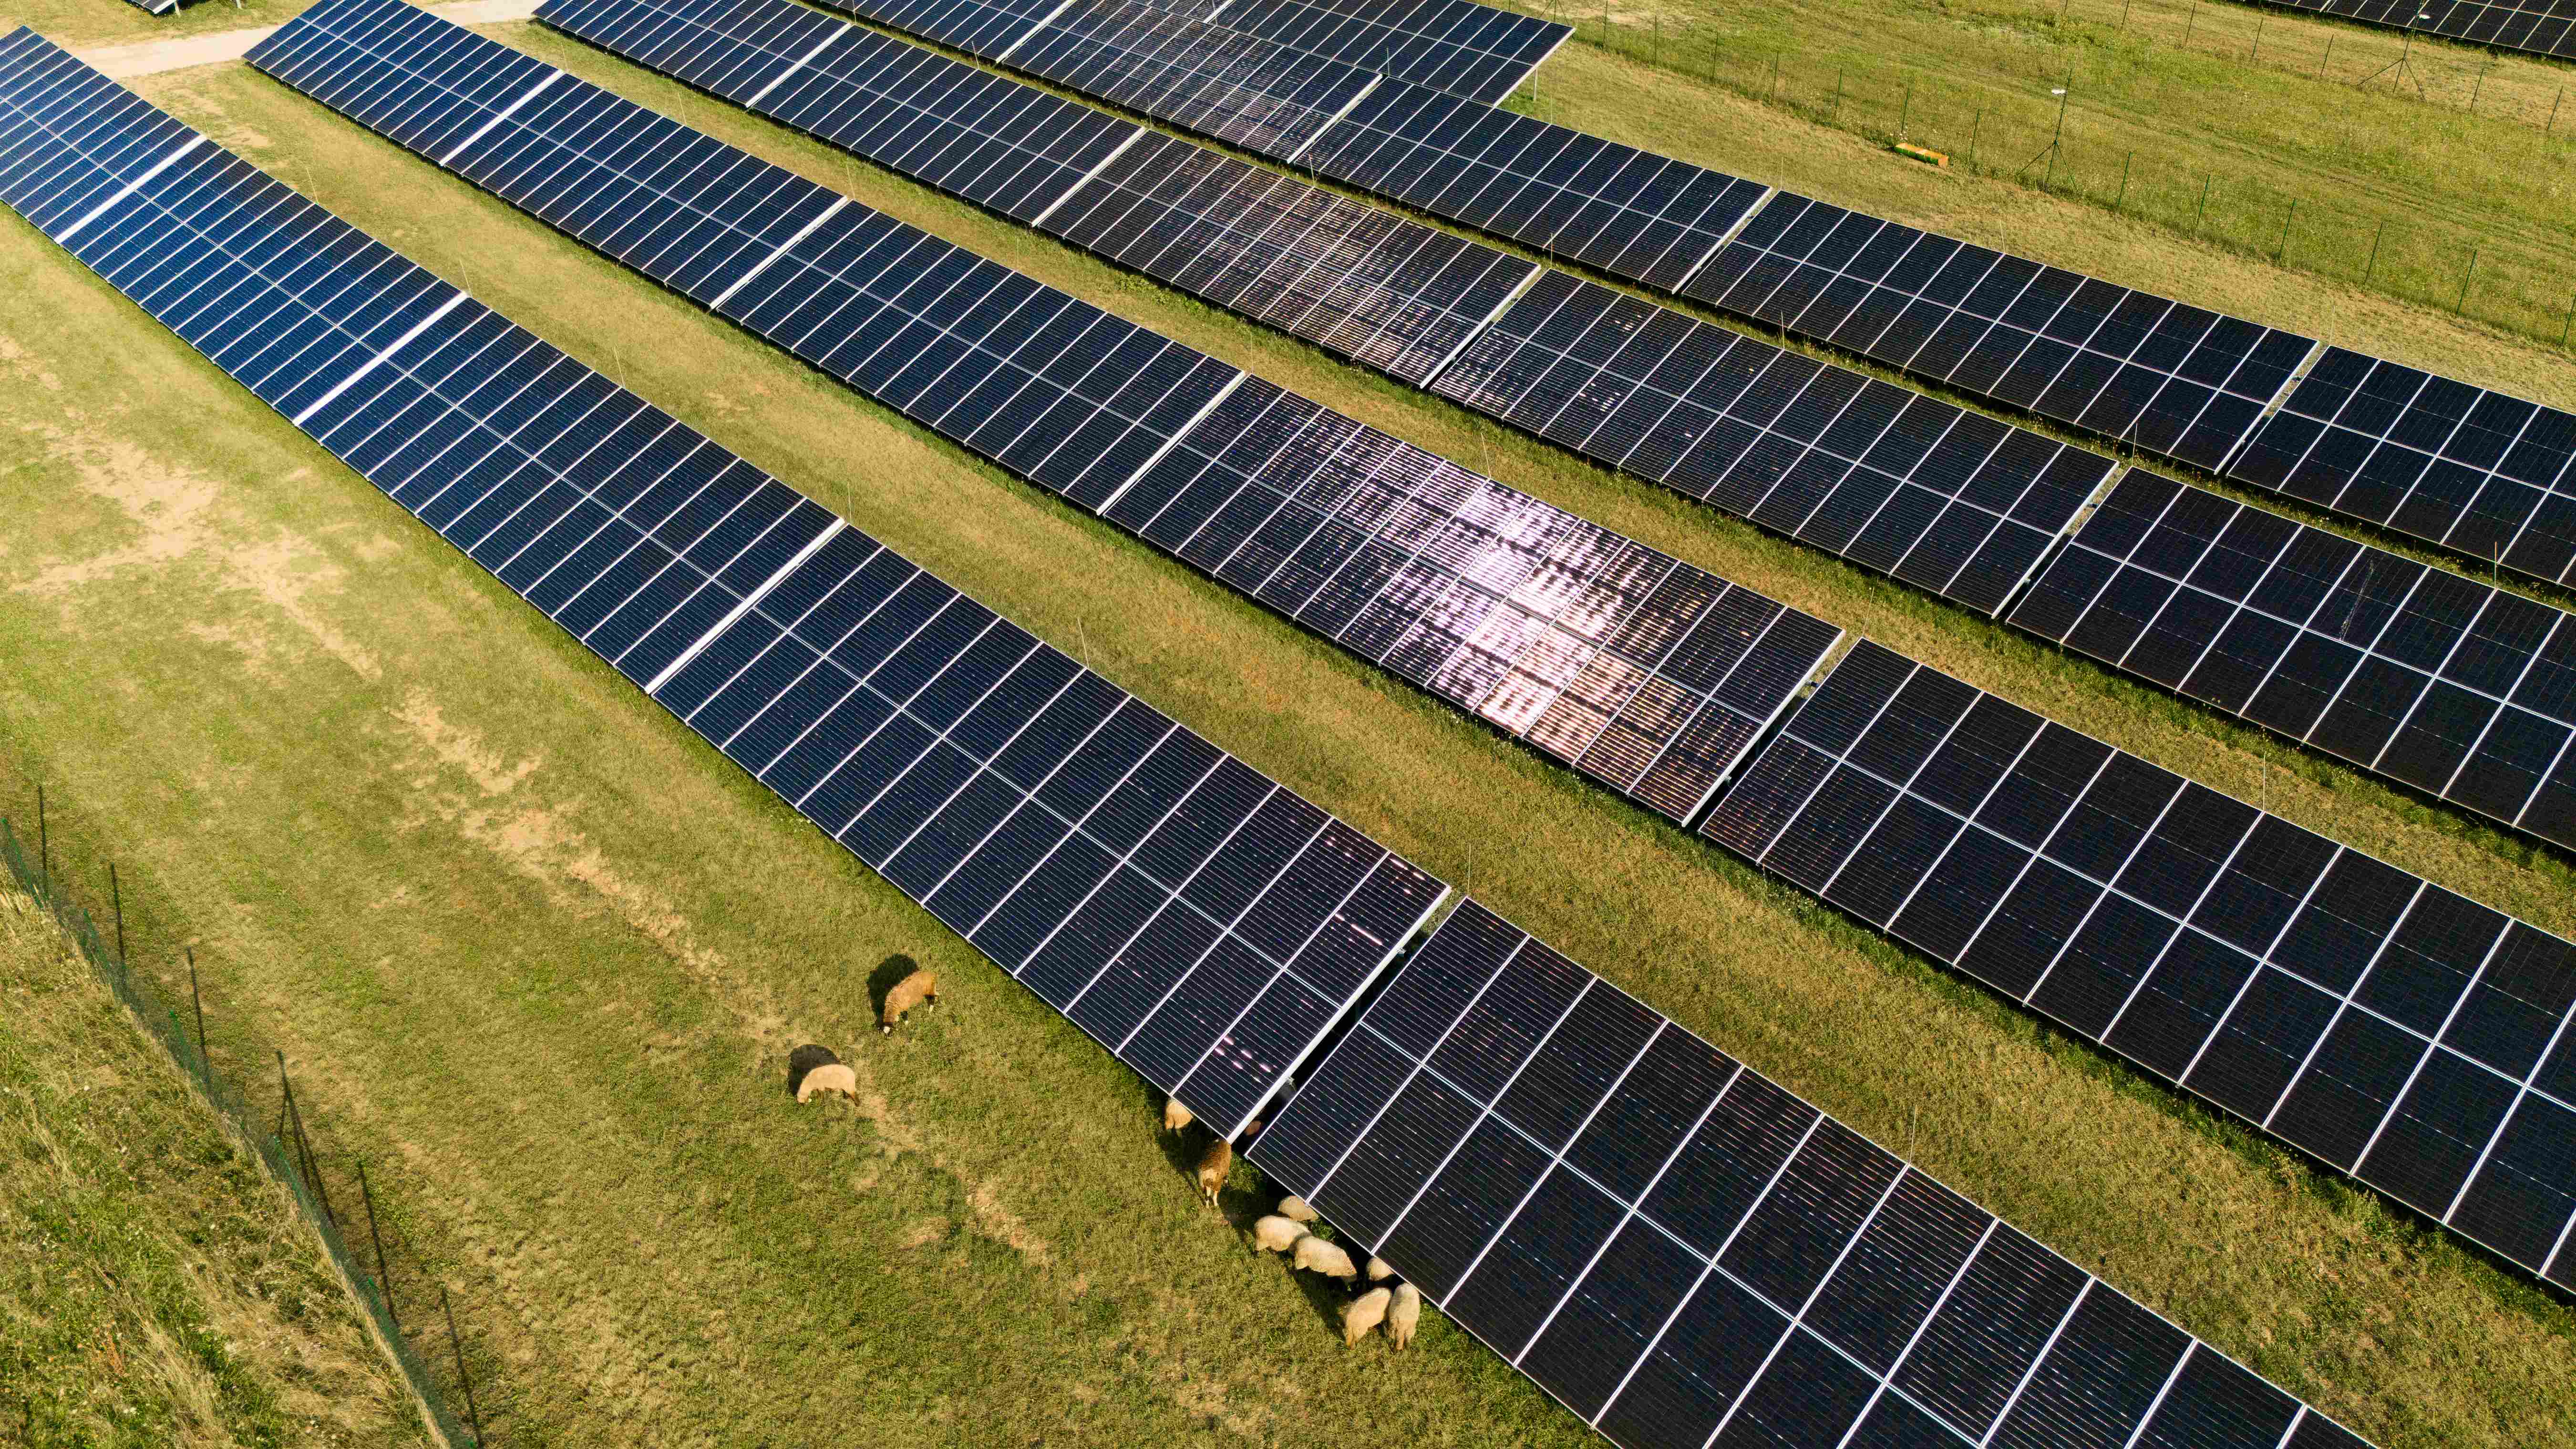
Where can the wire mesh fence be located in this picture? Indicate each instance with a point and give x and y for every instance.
(2064, 132)
(286, 1150)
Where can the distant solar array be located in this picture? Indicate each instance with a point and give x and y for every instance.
(1204, 923)
(1683, 1253)
(1645, 673)
(2489, 476)
(2404, 1034)
(2456, 688)
(2541, 27)
(1452, 45)
(1952, 501)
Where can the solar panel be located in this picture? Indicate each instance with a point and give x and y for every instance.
(2456, 688)
(1959, 503)
(1644, 673)
(1684, 1253)
(1949, 500)
(2394, 1030)
(1466, 49)
(2152, 372)
(2490, 476)
(2541, 27)
(1219, 82)
(1200, 920)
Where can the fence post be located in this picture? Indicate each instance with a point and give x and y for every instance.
(2465, 273)
(457, 1347)
(1836, 116)
(116, 902)
(384, 1276)
(2570, 322)
(1906, 112)
(205, 1059)
(44, 847)
(2552, 128)
(1975, 126)
(2373, 269)
(2198, 216)
(2328, 58)
(2188, 24)
(2124, 179)
(2261, 18)
(2282, 249)
(2480, 86)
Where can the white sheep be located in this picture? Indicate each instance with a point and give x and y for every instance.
(836, 1077)
(1176, 1116)
(1404, 1314)
(1379, 1270)
(1275, 1234)
(1362, 1314)
(1313, 1255)
(1295, 1210)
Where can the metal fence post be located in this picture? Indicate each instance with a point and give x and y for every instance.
(2282, 249)
(205, 1058)
(2372, 269)
(44, 847)
(2125, 163)
(116, 901)
(2202, 214)
(2466, 272)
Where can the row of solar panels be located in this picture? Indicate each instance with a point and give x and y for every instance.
(2486, 475)
(1628, 1204)
(607, 170)
(2541, 27)
(1452, 45)
(2455, 688)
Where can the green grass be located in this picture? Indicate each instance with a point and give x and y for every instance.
(2227, 125)
(517, 928)
(155, 1286)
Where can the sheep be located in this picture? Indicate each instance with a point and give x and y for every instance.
(1362, 1314)
(1275, 1234)
(1313, 1255)
(1213, 1168)
(834, 1078)
(921, 989)
(1175, 1116)
(1404, 1314)
(805, 1059)
(1379, 1270)
(1295, 1210)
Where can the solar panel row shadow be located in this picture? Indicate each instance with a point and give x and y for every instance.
(1457, 46)
(1958, 503)
(2540, 27)
(1643, 673)
(2459, 689)
(1204, 923)
(2399, 1032)
(1684, 1253)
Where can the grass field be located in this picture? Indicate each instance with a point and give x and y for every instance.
(541, 945)
(2221, 123)
(155, 1286)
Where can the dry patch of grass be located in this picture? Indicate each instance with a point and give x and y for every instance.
(155, 1286)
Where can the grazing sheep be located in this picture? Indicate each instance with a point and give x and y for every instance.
(1313, 1255)
(1379, 1270)
(1275, 1234)
(805, 1059)
(1214, 1167)
(1404, 1314)
(834, 1078)
(1175, 1116)
(921, 989)
(1295, 1210)
(1362, 1314)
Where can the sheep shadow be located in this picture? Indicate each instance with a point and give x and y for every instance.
(889, 974)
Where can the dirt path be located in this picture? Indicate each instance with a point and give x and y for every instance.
(123, 62)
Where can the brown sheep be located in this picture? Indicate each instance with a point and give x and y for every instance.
(1275, 1234)
(921, 989)
(1175, 1116)
(1404, 1314)
(1214, 1168)
(835, 1078)
(1362, 1314)
(1313, 1255)
(1295, 1210)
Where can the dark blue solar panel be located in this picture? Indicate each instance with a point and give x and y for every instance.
(985, 774)
(1683, 1253)
(1457, 46)
(2381, 1023)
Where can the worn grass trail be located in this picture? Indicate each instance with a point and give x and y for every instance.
(513, 923)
